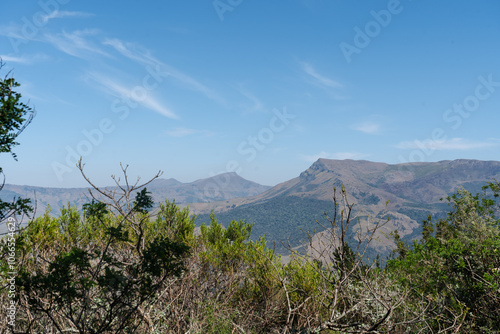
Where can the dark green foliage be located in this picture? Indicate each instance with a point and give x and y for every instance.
(143, 201)
(17, 206)
(95, 209)
(401, 247)
(344, 258)
(118, 233)
(13, 121)
(65, 281)
(12, 115)
(164, 256)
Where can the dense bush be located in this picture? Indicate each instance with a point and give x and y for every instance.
(456, 264)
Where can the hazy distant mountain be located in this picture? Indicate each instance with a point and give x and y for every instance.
(217, 188)
(413, 190)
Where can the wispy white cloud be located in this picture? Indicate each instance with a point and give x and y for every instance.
(368, 127)
(25, 59)
(81, 44)
(18, 34)
(141, 55)
(320, 79)
(10, 30)
(75, 43)
(22, 60)
(131, 51)
(119, 90)
(460, 144)
(59, 14)
(337, 156)
(256, 105)
(332, 87)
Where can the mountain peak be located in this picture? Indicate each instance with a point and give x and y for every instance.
(232, 174)
(322, 164)
(169, 180)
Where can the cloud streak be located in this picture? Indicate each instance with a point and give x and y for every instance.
(115, 88)
(75, 43)
(337, 156)
(141, 55)
(456, 144)
(257, 105)
(10, 59)
(371, 128)
(57, 14)
(332, 87)
(320, 79)
(18, 33)
(25, 59)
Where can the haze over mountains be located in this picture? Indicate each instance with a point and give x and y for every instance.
(407, 193)
(217, 188)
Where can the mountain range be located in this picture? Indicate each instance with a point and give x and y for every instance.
(405, 193)
(286, 213)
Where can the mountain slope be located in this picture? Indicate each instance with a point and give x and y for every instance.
(412, 190)
(424, 182)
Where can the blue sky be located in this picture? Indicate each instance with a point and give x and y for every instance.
(263, 88)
